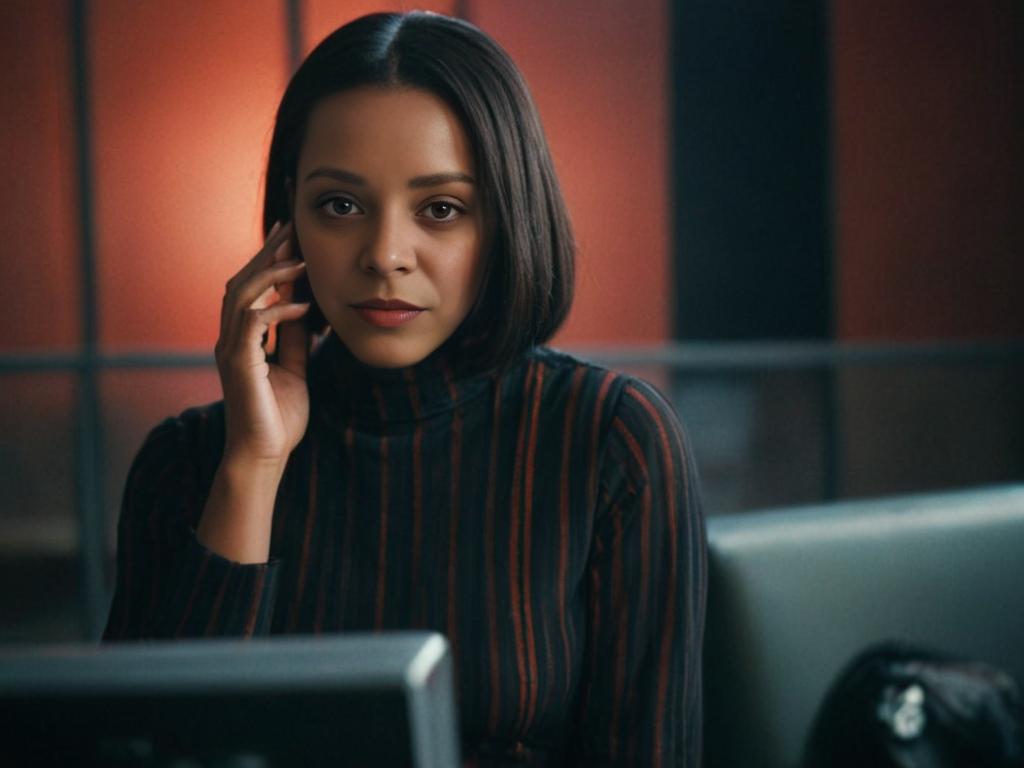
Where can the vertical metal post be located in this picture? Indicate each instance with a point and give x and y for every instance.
(833, 373)
(88, 419)
(293, 25)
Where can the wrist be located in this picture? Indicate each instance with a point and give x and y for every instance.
(238, 466)
(237, 517)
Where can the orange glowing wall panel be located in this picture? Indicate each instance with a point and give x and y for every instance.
(599, 73)
(39, 291)
(183, 101)
(929, 168)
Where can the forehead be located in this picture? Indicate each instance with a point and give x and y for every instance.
(385, 132)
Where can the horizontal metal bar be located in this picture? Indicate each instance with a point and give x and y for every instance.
(43, 362)
(726, 356)
(681, 356)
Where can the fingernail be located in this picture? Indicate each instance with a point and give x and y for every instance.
(273, 229)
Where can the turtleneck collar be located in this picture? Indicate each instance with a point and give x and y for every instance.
(351, 392)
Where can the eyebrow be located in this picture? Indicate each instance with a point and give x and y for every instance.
(431, 180)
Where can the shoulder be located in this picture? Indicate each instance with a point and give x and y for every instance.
(640, 444)
(642, 437)
(647, 437)
(617, 394)
(195, 438)
(625, 408)
(195, 427)
(563, 373)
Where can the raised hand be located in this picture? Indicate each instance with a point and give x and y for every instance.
(266, 403)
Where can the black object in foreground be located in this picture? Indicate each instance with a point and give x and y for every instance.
(383, 699)
(897, 705)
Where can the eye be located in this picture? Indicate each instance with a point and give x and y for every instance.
(339, 207)
(443, 210)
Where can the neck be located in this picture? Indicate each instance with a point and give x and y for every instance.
(354, 392)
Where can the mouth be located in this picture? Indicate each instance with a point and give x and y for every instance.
(387, 313)
(387, 304)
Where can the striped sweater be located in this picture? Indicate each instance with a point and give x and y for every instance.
(547, 521)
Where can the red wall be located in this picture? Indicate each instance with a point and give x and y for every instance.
(38, 205)
(599, 73)
(929, 168)
(928, 161)
(182, 100)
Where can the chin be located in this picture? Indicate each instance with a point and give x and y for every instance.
(386, 352)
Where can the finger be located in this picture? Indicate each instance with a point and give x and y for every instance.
(265, 256)
(245, 346)
(279, 232)
(277, 239)
(279, 313)
(283, 250)
(286, 290)
(268, 298)
(258, 293)
(246, 294)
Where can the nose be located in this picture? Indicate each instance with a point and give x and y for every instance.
(389, 248)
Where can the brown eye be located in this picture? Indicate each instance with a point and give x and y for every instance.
(442, 210)
(338, 207)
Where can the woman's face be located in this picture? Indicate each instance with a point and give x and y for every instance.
(388, 219)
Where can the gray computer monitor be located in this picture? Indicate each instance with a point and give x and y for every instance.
(357, 699)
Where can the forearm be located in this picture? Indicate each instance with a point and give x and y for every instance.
(238, 515)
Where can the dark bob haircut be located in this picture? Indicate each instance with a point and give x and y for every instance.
(527, 285)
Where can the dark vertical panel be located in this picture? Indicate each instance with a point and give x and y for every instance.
(88, 420)
(751, 177)
(293, 25)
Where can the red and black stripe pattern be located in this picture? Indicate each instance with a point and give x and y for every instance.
(547, 521)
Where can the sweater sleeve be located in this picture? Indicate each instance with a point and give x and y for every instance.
(646, 575)
(167, 583)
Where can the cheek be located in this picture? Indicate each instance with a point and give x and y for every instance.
(464, 270)
(322, 266)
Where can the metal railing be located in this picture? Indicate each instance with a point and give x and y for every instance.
(675, 358)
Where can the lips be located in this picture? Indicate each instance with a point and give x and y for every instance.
(387, 304)
(387, 313)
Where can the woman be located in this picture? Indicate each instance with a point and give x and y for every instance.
(428, 465)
